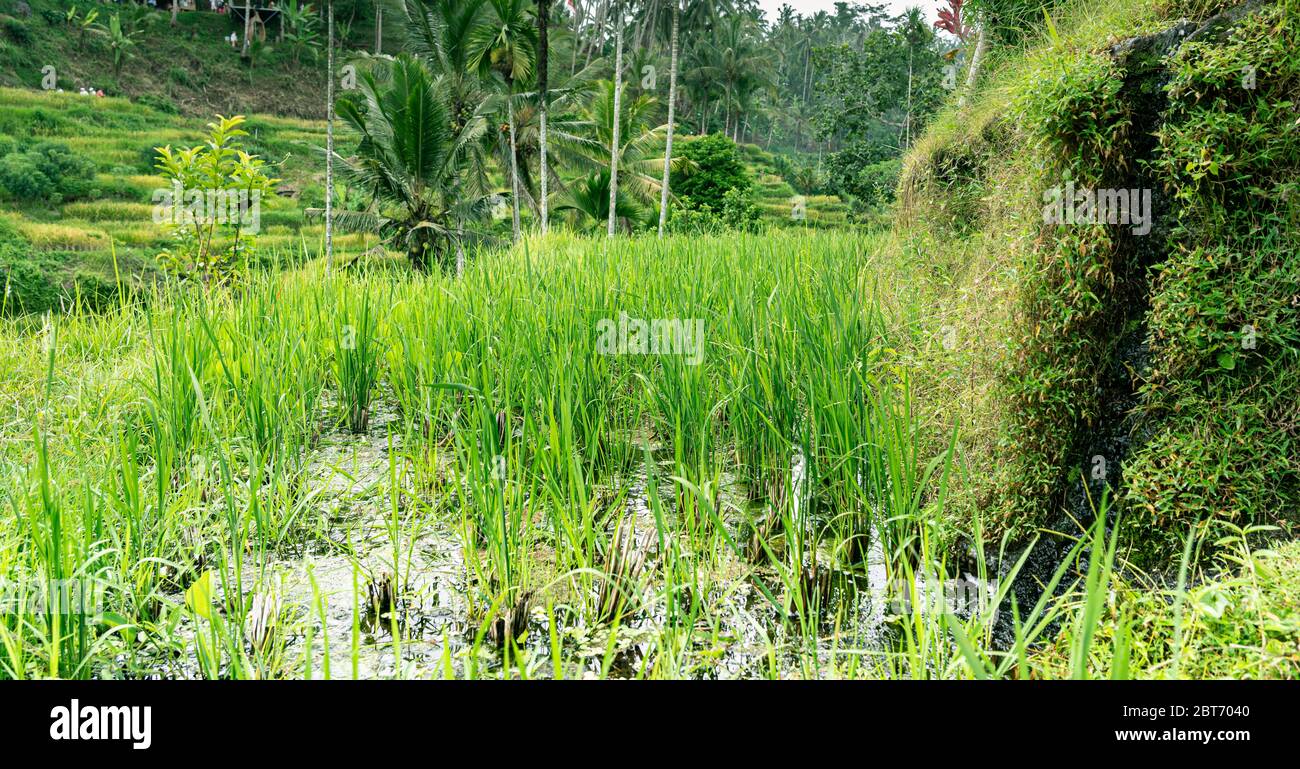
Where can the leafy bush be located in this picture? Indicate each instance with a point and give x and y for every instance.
(24, 285)
(699, 220)
(16, 30)
(49, 172)
(715, 169)
(211, 240)
(739, 211)
(873, 185)
(159, 103)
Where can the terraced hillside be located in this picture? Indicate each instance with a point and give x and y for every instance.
(109, 232)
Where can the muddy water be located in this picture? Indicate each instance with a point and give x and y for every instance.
(746, 635)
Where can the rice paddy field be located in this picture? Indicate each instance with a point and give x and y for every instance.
(375, 474)
(931, 434)
(119, 137)
(115, 223)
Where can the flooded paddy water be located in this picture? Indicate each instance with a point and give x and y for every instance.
(383, 587)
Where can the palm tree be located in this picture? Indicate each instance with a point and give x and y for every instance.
(504, 43)
(589, 199)
(701, 80)
(571, 142)
(742, 65)
(543, 11)
(672, 104)
(410, 160)
(438, 33)
(613, 145)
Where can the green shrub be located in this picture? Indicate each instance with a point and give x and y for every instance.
(21, 177)
(698, 220)
(715, 168)
(1222, 401)
(159, 103)
(49, 172)
(873, 185)
(739, 211)
(16, 30)
(24, 286)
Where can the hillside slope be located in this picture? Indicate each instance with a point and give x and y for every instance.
(88, 243)
(190, 68)
(1148, 356)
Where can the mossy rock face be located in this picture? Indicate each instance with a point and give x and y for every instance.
(1208, 422)
(1222, 400)
(1161, 367)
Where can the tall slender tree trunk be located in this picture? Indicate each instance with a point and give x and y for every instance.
(176, 12)
(980, 44)
(514, 159)
(329, 140)
(907, 121)
(807, 72)
(248, 26)
(668, 145)
(578, 17)
(543, 11)
(460, 249)
(598, 34)
(618, 115)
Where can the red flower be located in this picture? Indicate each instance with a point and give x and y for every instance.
(950, 20)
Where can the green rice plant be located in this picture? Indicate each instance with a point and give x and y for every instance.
(356, 357)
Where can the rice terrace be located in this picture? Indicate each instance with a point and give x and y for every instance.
(648, 339)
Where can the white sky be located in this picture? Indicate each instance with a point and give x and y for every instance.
(807, 7)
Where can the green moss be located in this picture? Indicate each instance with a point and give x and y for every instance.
(1209, 407)
(1067, 322)
(1223, 397)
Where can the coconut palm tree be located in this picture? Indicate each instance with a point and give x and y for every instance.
(633, 138)
(543, 12)
(589, 198)
(672, 104)
(613, 144)
(410, 160)
(438, 32)
(571, 141)
(743, 66)
(504, 44)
